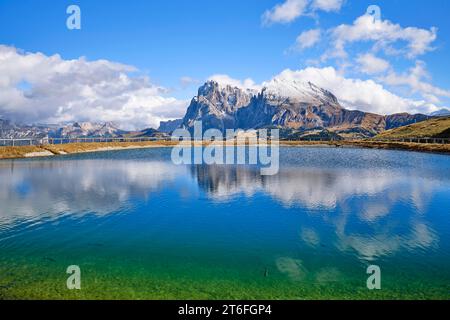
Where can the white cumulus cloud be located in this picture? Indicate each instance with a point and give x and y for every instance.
(285, 12)
(384, 35)
(327, 5)
(290, 10)
(417, 79)
(307, 39)
(371, 64)
(364, 95)
(35, 87)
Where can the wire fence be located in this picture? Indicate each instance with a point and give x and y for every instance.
(415, 140)
(46, 141)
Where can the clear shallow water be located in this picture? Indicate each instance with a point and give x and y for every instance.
(140, 227)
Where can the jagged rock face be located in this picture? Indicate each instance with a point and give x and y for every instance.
(300, 105)
(293, 105)
(216, 106)
(169, 126)
(266, 111)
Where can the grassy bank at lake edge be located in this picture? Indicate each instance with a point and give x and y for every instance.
(73, 148)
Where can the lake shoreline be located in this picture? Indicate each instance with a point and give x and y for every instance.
(21, 152)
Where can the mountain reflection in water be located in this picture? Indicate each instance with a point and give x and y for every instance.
(361, 204)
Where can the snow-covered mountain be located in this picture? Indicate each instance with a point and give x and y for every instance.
(297, 91)
(287, 104)
(88, 129)
(10, 130)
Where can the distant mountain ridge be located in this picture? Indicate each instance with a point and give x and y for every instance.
(441, 113)
(88, 129)
(10, 130)
(290, 105)
(297, 108)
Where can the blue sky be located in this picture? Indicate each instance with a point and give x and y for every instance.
(173, 40)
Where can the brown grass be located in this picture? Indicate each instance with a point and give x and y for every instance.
(23, 151)
(95, 146)
(18, 152)
(420, 147)
(425, 129)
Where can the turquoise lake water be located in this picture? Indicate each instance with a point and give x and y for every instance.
(140, 227)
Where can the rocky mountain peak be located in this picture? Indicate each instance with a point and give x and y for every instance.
(224, 96)
(216, 105)
(212, 87)
(298, 91)
(287, 103)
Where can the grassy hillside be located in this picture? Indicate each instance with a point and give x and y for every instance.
(436, 127)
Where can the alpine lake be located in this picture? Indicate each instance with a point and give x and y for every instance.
(140, 227)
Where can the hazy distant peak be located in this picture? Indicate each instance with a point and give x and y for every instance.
(441, 113)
